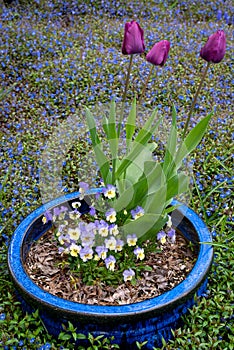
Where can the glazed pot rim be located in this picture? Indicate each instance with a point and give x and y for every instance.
(157, 304)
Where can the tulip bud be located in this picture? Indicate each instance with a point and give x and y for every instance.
(215, 47)
(133, 39)
(159, 52)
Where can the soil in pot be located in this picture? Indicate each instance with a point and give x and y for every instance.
(170, 266)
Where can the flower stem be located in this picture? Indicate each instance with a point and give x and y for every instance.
(195, 100)
(125, 94)
(145, 85)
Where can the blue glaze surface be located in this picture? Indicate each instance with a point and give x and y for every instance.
(149, 319)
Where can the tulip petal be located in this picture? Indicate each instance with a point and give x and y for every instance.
(133, 39)
(159, 53)
(215, 47)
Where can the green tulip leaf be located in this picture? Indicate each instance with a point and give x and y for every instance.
(192, 140)
(139, 144)
(169, 164)
(145, 227)
(102, 160)
(154, 174)
(131, 124)
(136, 168)
(131, 197)
(156, 200)
(176, 185)
(109, 126)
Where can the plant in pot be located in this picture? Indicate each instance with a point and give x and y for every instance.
(109, 242)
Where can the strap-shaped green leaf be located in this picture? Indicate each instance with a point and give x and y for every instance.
(103, 164)
(138, 145)
(145, 227)
(156, 201)
(168, 164)
(105, 125)
(92, 127)
(176, 185)
(109, 126)
(102, 160)
(148, 129)
(112, 117)
(131, 124)
(132, 197)
(154, 174)
(151, 233)
(112, 132)
(136, 168)
(138, 192)
(192, 140)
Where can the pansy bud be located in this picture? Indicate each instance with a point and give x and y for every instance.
(159, 53)
(133, 39)
(215, 47)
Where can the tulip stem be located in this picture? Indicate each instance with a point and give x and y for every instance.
(145, 85)
(125, 93)
(195, 100)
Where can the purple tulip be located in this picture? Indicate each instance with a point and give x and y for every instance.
(215, 47)
(133, 39)
(159, 52)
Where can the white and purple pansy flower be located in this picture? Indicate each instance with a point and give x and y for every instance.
(128, 275)
(101, 251)
(139, 252)
(161, 236)
(74, 249)
(111, 215)
(86, 253)
(119, 245)
(137, 213)
(171, 235)
(87, 238)
(83, 187)
(110, 243)
(103, 228)
(110, 262)
(131, 240)
(109, 191)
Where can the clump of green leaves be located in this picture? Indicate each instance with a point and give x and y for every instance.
(91, 342)
(139, 179)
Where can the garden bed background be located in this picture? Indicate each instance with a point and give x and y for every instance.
(52, 59)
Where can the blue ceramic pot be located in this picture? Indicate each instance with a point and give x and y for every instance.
(148, 320)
